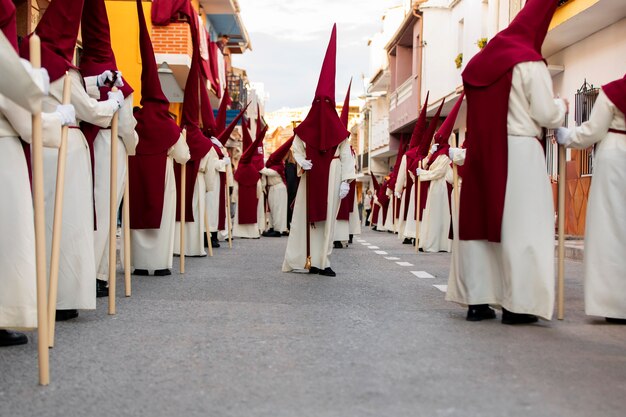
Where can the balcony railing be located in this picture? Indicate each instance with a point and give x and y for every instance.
(380, 134)
(237, 91)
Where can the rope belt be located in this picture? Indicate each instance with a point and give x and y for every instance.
(619, 132)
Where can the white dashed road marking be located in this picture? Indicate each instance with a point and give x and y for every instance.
(365, 244)
(422, 274)
(380, 252)
(392, 258)
(442, 288)
(373, 247)
(404, 263)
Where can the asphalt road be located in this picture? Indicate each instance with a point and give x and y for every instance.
(237, 337)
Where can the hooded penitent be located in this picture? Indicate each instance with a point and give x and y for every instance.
(411, 154)
(347, 204)
(221, 111)
(276, 160)
(261, 130)
(404, 144)
(616, 92)
(199, 145)
(247, 176)
(157, 133)
(58, 30)
(442, 136)
(8, 23)
(322, 131)
(487, 80)
(383, 198)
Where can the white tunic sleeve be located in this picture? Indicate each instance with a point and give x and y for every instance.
(91, 86)
(180, 151)
(21, 121)
(299, 151)
(126, 126)
(544, 108)
(96, 112)
(401, 176)
(597, 127)
(211, 169)
(15, 83)
(348, 171)
(269, 172)
(437, 170)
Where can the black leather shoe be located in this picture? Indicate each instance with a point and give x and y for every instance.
(337, 244)
(141, 272)
(271, 233)
(508, 317)
(407, 241)
(162, 272)
(11, 338)
(64, 315)
(613, 320)
(314, 270)
(350, 238)
(215, 242)
(327, 272)
(102, 290)
(374, 228)
(285, 234)
(480, 312)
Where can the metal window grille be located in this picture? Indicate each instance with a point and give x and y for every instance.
(585, 99)
(237, 91)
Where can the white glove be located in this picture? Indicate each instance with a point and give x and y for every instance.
(434, 148)
(398, 195)
(106, 78)
(216, 141)
(39, 76)
(344, 189)
(420, 171)
(117, 96)
(563, 136)
(304, 163)
(226, 160)
(456, 154)
(67, 114)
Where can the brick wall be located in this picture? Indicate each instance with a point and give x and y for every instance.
(172, 39)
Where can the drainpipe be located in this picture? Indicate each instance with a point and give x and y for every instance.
(421, 63)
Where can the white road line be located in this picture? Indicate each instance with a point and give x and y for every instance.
(422, 274)
(442, 288)
(381, 252)
(392, 258)
(360, 240)
(365, 244)
(373, 247)
(404, 263)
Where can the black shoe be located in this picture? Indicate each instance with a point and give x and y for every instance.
(374, 228)
(285, 234)
(206, 241)
(141, 272)
(407, 241)
(102, 289)
(327, 272)
(215, 242)
(314, 270)
(162, 272)
(480, 312)
(337, 244)
(271, 233)
(11, 338)
(350, 239)
(613, 320)
(508, 317)
(64, 315)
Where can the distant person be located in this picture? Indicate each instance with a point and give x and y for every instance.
(367, 204)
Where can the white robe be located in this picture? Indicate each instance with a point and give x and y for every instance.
(352, 226)
(605, 235)
(77, 266)
(213, 200)
(409, 226)
(518, 273)
(341, 169)
(390, 225)
(153, 249)
(261, 215)
(277, 199)
(247, 231)
(355, 220)
(195, 230)
(401, 189)
(127, 143)
(15, 82)
(453, 277)
(18, 286)
(435, 227)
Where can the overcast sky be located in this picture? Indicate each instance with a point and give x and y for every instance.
(289, 39)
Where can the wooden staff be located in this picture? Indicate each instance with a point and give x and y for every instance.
(455, 183)
(307, 264)
(183, 194)
(113, 212)
(418, 198)
(393, 217)
(40, 226)
(208, 229)
(126, 221)
(561, 246)
(58, 219)
(228, 219)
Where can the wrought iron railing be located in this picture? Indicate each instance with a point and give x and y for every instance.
(585, 99)
(237, 91)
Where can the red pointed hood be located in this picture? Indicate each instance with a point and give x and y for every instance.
(375, 182)
(277, 157)
(251, 150)
(225, 135)
(246, 137)
(209, 126)
(445, 130)
(8, 23)
(58, 30)
(424, 146)
(420, 126)
(259, 121)
(98, 54)
(616, 92)
(322, 129)
(156, 129)
(521, 41)
(191, 99)
(345, 110)
(221, 112)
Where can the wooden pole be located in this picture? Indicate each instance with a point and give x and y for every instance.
(113, 212)
(58, 219)
(126, 221)
(183, 195)
(418, 201)
(208, 229)
(228, 219)
(307, 263)
(561, 246)
(40, 227)
(455, 184)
